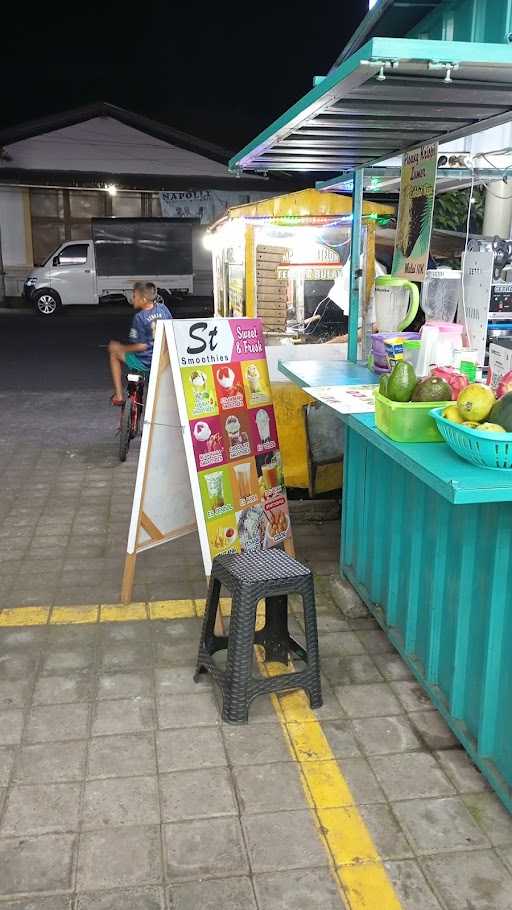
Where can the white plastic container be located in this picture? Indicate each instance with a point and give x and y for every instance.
(449, 339)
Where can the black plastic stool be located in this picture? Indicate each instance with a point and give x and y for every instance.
(272, 575)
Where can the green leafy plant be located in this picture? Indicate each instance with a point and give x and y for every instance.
(451, 210)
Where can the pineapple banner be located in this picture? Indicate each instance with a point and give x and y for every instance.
(415, 210)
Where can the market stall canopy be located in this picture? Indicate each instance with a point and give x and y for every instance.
(385, 180)
(392, 95)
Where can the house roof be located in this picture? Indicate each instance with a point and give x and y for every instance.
(103, 109)
(207, 168)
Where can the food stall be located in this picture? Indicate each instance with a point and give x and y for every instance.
(278, 259)
(426, 531)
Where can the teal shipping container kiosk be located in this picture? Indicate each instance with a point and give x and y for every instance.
(426, 540)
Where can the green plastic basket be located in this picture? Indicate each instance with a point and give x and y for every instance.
(409, 421)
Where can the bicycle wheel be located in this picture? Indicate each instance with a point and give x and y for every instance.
(125, 430)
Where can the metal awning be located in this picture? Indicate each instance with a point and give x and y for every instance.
(392, 95)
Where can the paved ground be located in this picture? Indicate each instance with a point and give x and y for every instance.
(120, 788)
(123, 789)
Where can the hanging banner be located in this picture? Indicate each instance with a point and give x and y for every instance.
(210, 452)
(207, 205)
(415, 211)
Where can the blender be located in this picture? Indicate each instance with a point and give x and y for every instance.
(396, 303)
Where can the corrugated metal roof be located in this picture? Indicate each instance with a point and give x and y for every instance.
(390, 96)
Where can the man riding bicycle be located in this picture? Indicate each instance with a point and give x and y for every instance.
(138, 353)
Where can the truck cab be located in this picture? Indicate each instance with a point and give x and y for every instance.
(67, 277)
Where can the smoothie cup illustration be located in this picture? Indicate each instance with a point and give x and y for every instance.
(215, 487)
(270, 474)
(225, 377)
(253, 378)
(233, 430)
(202, 431)
(263, 424)
(243, 477)
(198, 379)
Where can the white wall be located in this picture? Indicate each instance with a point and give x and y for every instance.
(12, 226)
(14, 243)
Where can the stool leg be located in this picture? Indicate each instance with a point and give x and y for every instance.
(207, 639)
(274, 635)
(310, 626)
(235, 709)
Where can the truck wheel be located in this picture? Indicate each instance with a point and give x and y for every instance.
(47, 302)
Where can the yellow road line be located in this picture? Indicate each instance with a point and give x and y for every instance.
(92, 613)
(25, 616)
(354, 858)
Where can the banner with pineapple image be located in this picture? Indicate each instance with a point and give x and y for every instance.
(415, 211)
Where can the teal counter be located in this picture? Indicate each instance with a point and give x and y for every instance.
(427, 543)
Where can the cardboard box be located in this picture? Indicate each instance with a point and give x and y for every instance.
(500, 360)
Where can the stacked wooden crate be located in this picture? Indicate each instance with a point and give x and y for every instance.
(271, 291)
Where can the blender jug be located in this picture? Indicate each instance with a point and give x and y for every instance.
(396, 303)
(440, 294)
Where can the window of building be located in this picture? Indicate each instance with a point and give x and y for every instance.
(127, 205)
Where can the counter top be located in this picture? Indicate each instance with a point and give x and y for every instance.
(434, 463)
(321, 373)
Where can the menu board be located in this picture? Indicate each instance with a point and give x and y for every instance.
(225, 401)
(346, 399)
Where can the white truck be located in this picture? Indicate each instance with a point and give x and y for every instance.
(104, 269)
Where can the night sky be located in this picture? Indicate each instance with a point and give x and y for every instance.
(221, 73)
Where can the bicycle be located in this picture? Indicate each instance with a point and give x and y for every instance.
(131, 412)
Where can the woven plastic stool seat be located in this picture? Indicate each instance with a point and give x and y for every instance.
(270, 575)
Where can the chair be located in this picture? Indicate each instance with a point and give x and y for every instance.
(270, 575)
